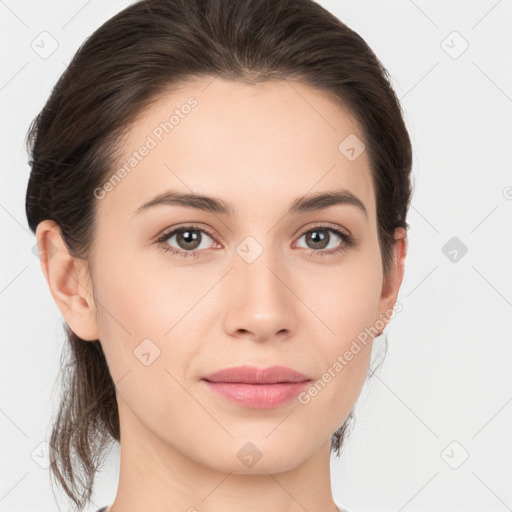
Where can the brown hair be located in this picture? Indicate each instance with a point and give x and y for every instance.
(135, 56)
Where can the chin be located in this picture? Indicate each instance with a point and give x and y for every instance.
(256, 456)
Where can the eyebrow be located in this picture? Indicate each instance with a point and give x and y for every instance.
(304, 204)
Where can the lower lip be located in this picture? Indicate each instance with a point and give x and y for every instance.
(258, 396)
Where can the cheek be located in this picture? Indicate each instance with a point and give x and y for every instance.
(346, 297)
(143, 299)
(147, 326)
(145, 344)
(347, 305)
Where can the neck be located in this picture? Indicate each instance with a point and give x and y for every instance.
(158, 477)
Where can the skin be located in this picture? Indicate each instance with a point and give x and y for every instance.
(258, 147)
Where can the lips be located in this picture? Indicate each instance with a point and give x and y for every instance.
(253, 375)
(257, 388)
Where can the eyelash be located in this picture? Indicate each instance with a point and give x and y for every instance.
(348, 240)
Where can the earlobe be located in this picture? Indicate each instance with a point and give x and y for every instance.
(68, 283)
(391, 285)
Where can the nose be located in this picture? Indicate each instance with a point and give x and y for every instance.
(260, 304)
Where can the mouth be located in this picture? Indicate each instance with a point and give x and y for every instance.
(256, 388)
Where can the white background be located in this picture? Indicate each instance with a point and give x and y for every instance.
(446, 377)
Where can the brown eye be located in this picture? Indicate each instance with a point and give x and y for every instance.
(318, 238)
(324, 241)
(188, 241)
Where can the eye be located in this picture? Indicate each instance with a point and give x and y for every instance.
(322, 237)
(189, 240)
(322, 240)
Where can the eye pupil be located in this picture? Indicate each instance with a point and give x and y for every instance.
(319, 242)
(189, 239)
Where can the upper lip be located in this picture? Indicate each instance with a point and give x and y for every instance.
(253, 375)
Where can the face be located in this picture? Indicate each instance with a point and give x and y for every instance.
(250, 281)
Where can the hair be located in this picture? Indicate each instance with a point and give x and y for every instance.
(141, 53)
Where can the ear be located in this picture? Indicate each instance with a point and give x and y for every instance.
(393, 281)
(69, 281)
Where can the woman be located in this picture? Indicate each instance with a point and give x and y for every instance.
(219, 193)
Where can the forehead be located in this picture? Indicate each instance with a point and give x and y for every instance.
(254, 145)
